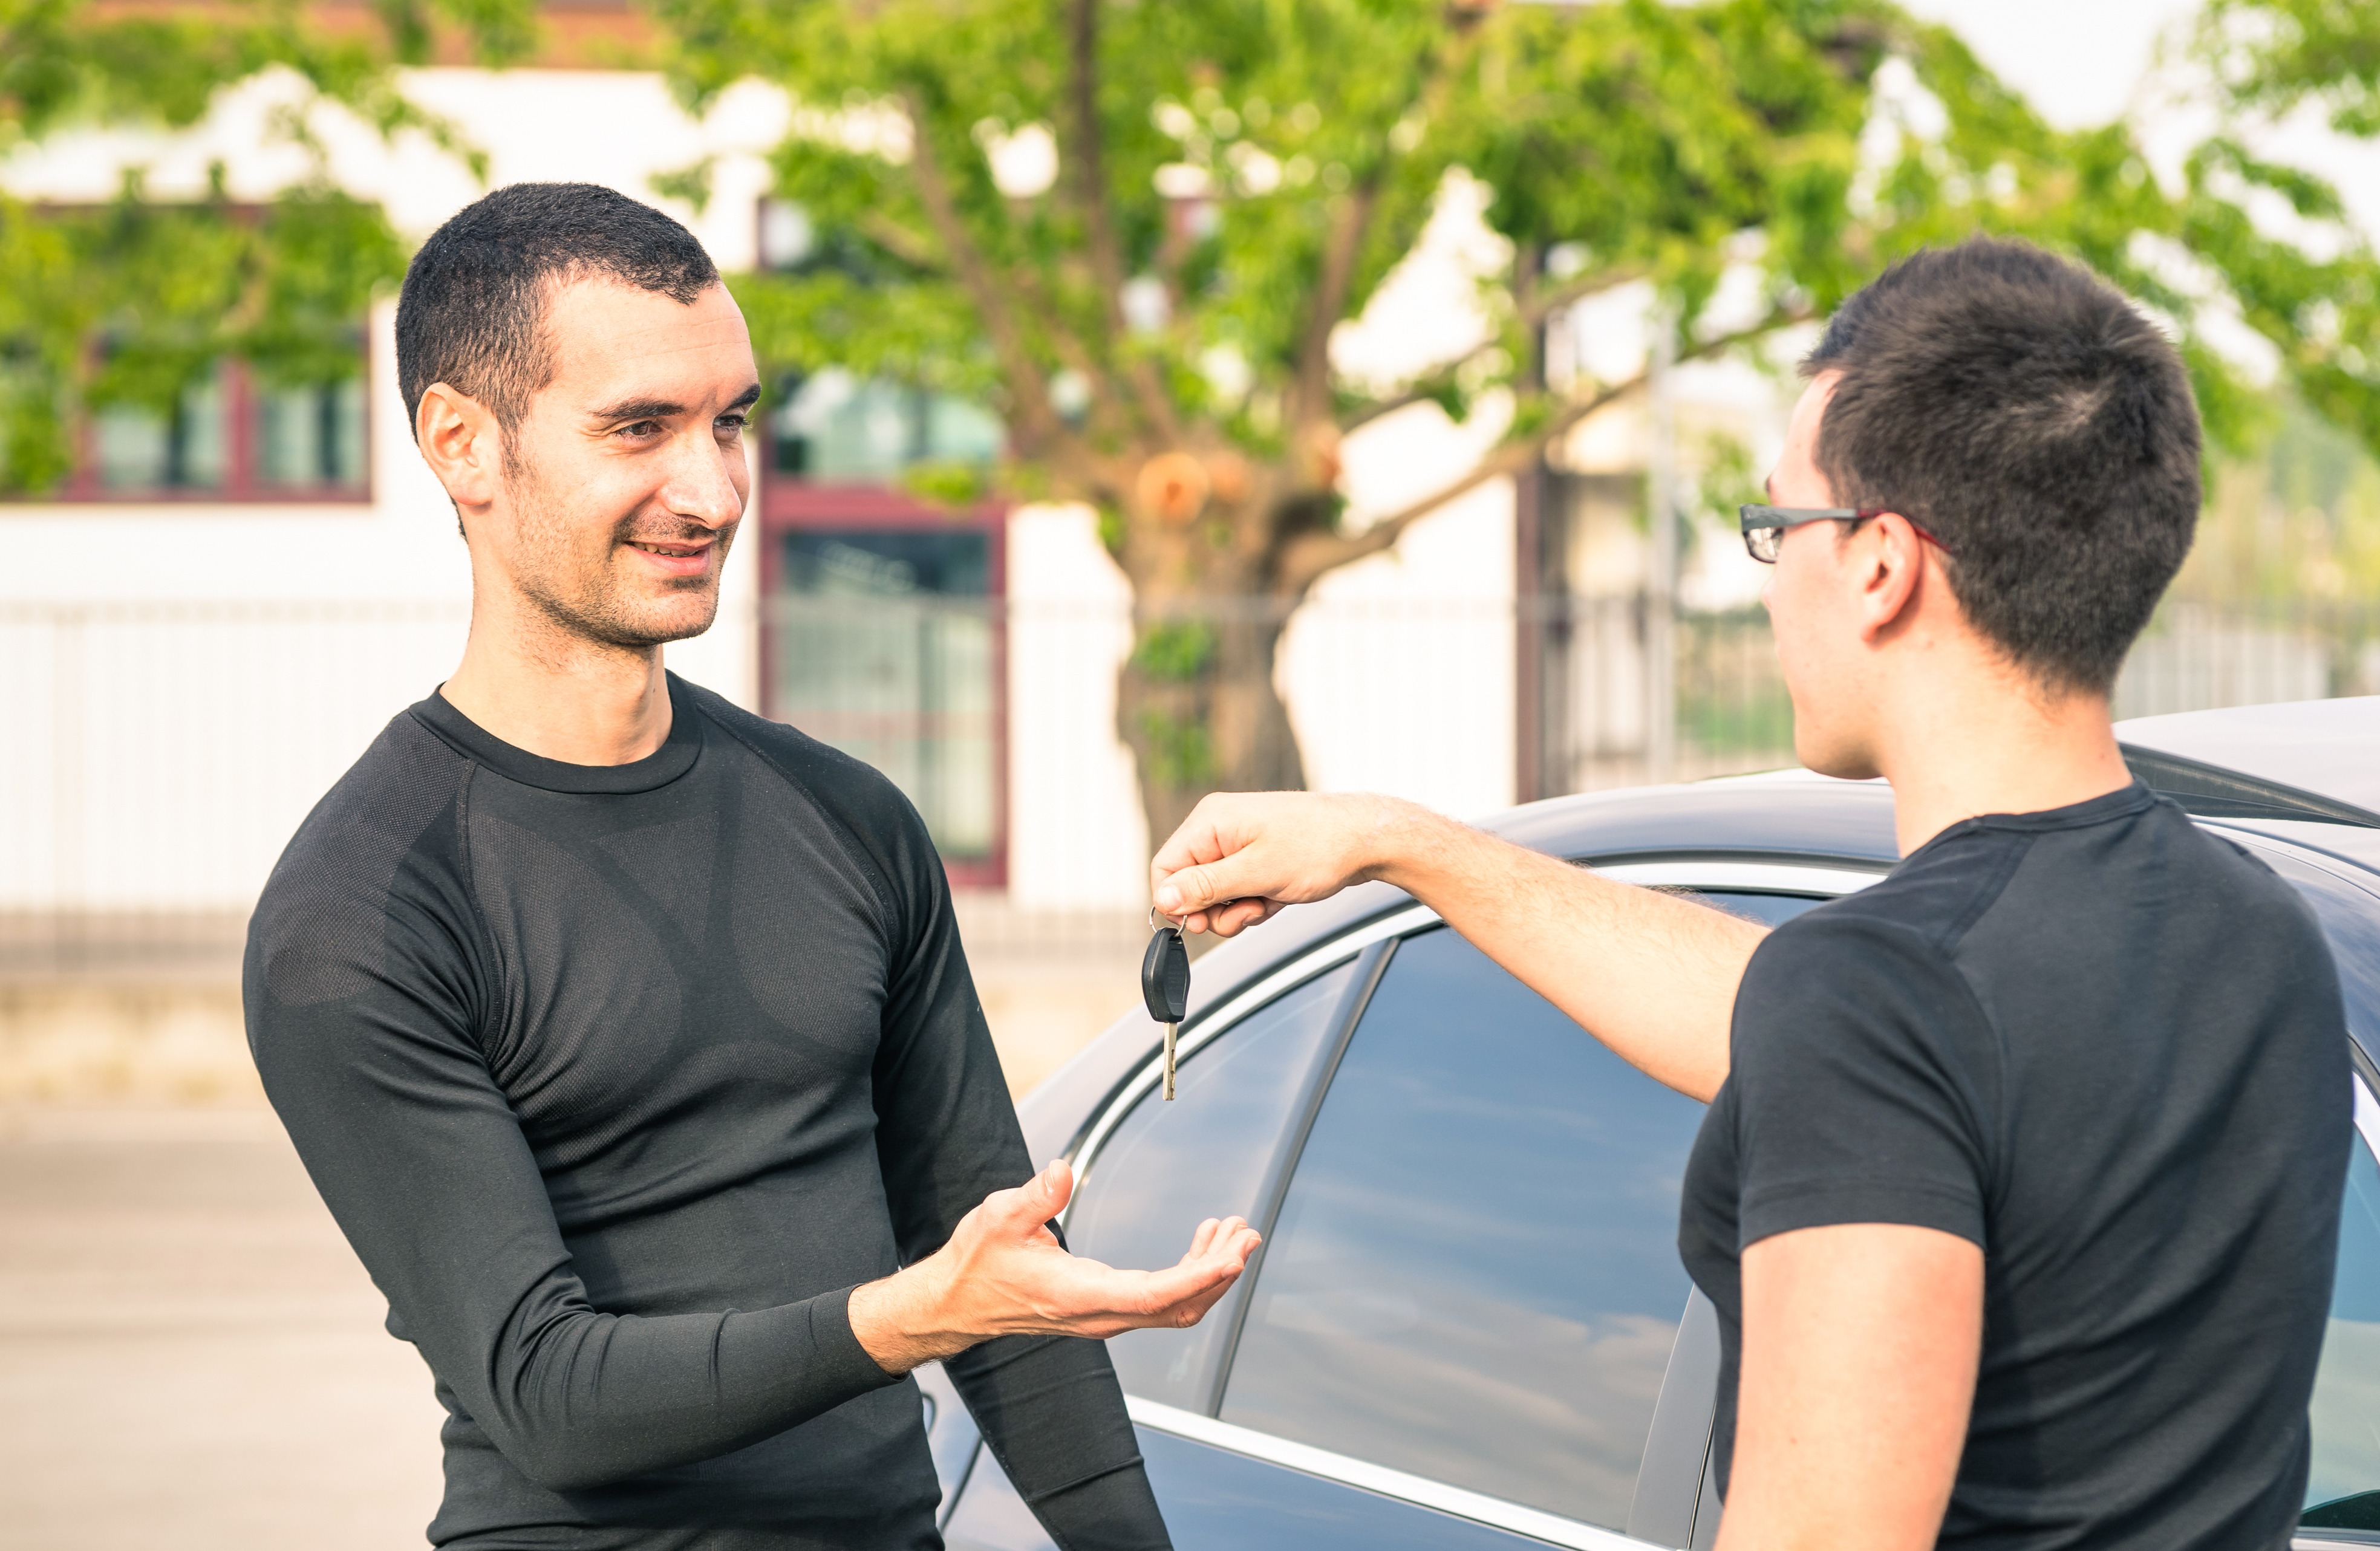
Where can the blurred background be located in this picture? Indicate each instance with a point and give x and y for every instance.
(1163, 395)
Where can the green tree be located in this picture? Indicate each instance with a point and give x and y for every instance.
(1236, 178)
(133, 301)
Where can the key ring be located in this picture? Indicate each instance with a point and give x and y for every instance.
(1170, 922)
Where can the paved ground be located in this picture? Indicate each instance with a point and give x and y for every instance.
(190, 1355)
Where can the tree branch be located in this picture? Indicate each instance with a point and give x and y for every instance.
(1310, 382)
(1579, 288)
(1042, 423)
(1443, 377)
(900, 242)
(1086, 155)
(1309, 392)
(1309, 557)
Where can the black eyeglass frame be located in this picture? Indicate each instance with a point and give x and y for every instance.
(1764, 526)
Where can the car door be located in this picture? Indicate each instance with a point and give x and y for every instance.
(2343, 1495)
(1463, 1328)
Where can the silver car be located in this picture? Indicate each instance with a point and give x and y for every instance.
(1468, 1328)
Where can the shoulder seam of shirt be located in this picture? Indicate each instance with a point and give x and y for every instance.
(487, 942)
(1987, 893)
(848, 843)
(1975, 1006)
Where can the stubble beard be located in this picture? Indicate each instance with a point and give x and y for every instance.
(584, 600)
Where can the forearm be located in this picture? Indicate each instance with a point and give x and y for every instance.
(422, 1163)
(907, 1320)
(1054, 1416)
(591, 1398)
(1652, 976)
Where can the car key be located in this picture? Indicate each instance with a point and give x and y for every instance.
(1165, 987)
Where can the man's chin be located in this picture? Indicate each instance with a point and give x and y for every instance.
(641, 624)
(664, 625)
(1826, 759)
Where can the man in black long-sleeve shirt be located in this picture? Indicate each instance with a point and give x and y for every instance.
(627, 1034)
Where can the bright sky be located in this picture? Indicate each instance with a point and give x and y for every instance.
(2081, 62)
(2078, 60)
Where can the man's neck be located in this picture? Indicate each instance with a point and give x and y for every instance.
(561, 697)
(2001, 747)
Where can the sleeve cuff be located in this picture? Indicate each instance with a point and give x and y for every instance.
(1833, 1202)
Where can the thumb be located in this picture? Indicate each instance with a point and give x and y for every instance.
(1199, 886)
(1046, 1194)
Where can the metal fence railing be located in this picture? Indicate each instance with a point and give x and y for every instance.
(155, 758)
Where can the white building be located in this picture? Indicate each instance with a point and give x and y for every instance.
(205, 657)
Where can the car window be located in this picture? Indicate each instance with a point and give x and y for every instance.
(2343, 1488)
(1168, 1166)
(1474, 1277)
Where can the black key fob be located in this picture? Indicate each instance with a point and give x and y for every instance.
(1165, 976)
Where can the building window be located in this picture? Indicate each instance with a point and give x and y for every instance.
(885, 649)
(884, 636)
(836, 429)
(234, 435)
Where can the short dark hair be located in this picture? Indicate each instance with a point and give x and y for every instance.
(2024, 412)
(472, 314)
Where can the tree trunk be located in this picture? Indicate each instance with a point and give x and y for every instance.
(1195, 703)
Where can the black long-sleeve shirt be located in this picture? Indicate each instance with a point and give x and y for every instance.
(619, 1078)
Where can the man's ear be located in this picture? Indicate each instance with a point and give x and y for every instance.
(460, 441)
(1892, 575)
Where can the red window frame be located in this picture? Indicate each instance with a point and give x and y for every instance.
(241, 486)
(788, 505)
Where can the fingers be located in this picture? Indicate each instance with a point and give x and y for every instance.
(1191, 871)
(1240, 857)
(1216, 1235)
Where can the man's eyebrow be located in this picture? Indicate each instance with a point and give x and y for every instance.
(637, 409)
(663, 409)
(1769, 488)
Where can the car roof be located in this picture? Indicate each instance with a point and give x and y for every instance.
(2311, 760)
(1789, 815)
(1837, 823)
(1830, 823)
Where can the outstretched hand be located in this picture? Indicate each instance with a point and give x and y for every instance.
(1003, 1273)
(1242, 855)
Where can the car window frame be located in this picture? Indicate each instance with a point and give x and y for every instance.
(1674, 1480)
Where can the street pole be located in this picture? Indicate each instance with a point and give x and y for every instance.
(1661, 588)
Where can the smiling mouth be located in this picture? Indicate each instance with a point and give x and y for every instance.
(673, 551)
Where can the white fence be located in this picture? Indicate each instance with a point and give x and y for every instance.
(155, 758)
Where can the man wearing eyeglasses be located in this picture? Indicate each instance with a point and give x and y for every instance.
(2017, 1197)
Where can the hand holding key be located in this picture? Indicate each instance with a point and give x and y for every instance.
(1165, 987)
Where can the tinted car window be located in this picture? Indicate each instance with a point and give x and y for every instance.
(2343, 1487)
(1168, 1166)
(1474, 1277)
(2343, 1490)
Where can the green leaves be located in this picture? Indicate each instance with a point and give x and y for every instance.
(2273, 56)
(134, 303)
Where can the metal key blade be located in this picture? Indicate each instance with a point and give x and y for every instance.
(1165, 989)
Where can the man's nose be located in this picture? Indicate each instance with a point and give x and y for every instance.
(703, 484)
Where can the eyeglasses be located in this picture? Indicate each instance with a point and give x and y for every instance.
(1764, 526)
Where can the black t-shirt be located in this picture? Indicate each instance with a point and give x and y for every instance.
(2107, 1047)
(619, 1079)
